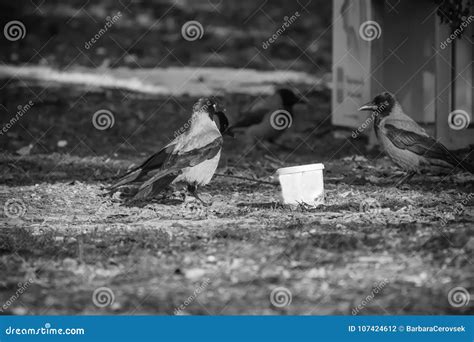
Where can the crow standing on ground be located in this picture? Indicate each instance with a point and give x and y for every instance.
(256, 122)
(405, 142)
(191, 157)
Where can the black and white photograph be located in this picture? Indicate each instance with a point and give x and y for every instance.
(236, 158)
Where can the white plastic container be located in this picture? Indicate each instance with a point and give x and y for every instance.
(302, 183)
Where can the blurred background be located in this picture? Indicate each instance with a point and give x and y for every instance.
(144, 71)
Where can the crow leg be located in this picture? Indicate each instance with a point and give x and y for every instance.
(192, 188)
(405, 178)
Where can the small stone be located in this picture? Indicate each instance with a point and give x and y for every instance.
(19, 311)
(62, 143)
(211, 258)
(195, 273)
(25, 150)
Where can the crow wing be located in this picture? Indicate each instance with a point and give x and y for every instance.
(156, 161)
(251, 118)
(421, 145)
(174, 165)
(406, 123)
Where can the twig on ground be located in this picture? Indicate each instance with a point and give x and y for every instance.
(245, 178)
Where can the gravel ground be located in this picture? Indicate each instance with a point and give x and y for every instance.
(389, 250)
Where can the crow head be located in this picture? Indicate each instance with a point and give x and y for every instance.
(382, 104)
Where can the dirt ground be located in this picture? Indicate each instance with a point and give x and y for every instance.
(370, 249)
(412, 244)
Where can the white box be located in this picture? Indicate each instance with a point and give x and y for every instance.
(303, 183)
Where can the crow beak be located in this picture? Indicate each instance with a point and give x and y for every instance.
(368, 106)
(223, 123)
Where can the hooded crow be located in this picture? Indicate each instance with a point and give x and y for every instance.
(192, 157)
(268, 118)
(405, 142)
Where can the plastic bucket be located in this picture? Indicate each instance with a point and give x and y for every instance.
(302, 183)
